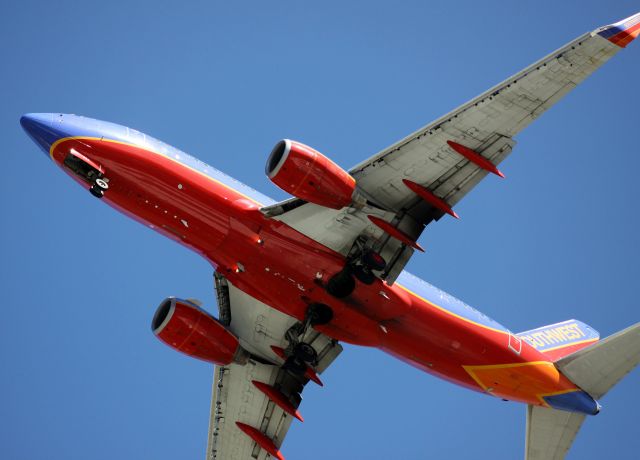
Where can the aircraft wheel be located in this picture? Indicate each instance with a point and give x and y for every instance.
(295, 365)
(96, 191)
(319, 314)
(341, 284)
(364, 275)
(305, 352)
(101, 183)
(373, 260)
(99, 187)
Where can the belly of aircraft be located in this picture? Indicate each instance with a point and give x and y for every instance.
(286, 270)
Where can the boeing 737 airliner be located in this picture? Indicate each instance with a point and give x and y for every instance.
(295, 278)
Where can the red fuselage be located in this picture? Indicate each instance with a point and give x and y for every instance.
(286, 270)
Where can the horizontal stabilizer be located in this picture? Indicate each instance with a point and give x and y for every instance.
(596, 369)
(550, 432)
(560, 339)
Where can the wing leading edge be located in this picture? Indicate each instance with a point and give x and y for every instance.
(450, 156)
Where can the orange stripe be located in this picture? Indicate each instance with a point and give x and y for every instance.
(623, 38)
(146, 149)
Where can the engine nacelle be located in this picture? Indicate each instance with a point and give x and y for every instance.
(307, 174)
(187, 328)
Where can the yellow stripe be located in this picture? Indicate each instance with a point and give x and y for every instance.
(475, 377)
(450, 312)
(569, 345)
(80, 138)
(471, 370)
(505, 366)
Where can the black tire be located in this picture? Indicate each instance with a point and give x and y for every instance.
(295, 365)
(364, 275)
(373, 260)
(341, 284)
(319, 314)
(305, 352)
(96, 191)
(102, 184)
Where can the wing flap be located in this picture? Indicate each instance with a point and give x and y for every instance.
(503, 110)
(485, 124)
(235, 398)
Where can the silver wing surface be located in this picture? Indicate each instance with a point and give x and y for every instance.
(595, 369)
(236, 398)
(550, 432)
(431, 158)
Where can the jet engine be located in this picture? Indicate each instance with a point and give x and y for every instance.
(307, 174)
(185, 327)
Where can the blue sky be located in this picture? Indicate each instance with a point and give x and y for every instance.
(82, 374)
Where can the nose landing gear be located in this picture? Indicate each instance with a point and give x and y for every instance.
(87, 170)
(98, 188)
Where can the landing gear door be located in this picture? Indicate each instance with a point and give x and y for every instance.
(83, 167)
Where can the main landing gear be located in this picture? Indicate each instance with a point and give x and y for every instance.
(343, 283)
(299, 353)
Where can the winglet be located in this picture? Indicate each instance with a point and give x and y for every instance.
(622, 33)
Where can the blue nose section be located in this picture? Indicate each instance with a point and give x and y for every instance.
(44, 128)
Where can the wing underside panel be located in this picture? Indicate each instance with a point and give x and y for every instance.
(235, 396)
(486, 125)
(236, 399)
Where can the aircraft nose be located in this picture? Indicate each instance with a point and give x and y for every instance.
(42, 128)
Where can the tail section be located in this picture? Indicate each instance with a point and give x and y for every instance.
(595, 369)
(560, 339)
(550, 433)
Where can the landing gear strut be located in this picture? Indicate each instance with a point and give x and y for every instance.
(343, 283)
(301, 354)
(319, 314)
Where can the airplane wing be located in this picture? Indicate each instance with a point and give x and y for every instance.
(550, 432)
(421, 177)
(253, 405)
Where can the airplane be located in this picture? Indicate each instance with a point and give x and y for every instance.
(295, 278)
